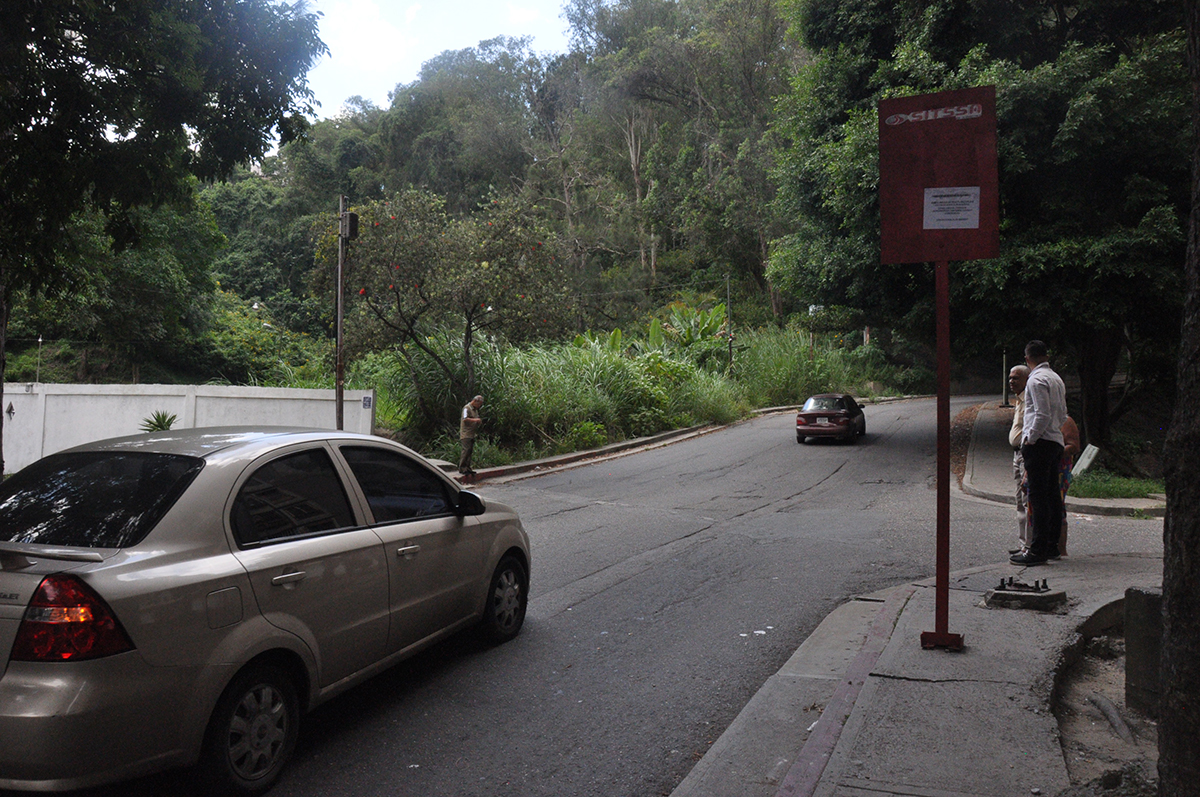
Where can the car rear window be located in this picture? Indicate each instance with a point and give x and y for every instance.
(823, 403)
(96, 499)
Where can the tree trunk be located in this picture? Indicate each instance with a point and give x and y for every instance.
(3, 359)
(1099, 353)
(1179, 720)
(468, 339)
(634, 127)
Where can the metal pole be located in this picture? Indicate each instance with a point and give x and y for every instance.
(729, 319)
(941, 637)
(338, 365)
(1006, 404)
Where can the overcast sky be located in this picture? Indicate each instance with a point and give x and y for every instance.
(376, 44)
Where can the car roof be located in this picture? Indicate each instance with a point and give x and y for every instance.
(830, 395)
(207, 442)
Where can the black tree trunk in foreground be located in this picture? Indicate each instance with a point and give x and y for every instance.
(1179, 725)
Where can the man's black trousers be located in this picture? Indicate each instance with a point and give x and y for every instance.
(1045, 498)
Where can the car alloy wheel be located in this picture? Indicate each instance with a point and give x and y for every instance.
(253, 731)
(507, 599)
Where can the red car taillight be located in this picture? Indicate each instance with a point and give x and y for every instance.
(67, 621)
(800, 421)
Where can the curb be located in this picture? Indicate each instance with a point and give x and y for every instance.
(562, 460)
(550, 463)
(773, 749)
(806, 771)
(1115, 507)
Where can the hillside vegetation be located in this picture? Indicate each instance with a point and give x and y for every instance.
(685, 172)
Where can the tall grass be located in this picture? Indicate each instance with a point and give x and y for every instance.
(779, 367)
(552, 398)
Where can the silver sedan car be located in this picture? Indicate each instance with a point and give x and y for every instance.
(183, 597)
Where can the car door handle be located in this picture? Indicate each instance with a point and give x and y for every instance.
(408, 551)
(288, 578)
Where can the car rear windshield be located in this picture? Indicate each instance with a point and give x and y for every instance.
(96, 499)
(821, 403)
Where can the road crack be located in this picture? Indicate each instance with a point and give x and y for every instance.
(818, 483)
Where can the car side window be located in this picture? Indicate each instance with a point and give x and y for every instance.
(396, 487)
(295, 495)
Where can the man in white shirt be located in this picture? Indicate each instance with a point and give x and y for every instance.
(1042, 449)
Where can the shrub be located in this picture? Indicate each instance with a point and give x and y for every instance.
(160, 421)
(584, 435)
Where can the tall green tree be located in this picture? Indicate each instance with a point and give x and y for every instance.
(147, 301)
(270, 250)
(461, 129)
(340, 156)
(112, 106)
(669, 157)
(418, 273)
(735, 58)
(1091, 105)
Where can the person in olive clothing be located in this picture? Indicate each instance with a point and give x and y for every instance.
(468, 426)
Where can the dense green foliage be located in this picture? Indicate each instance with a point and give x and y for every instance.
(686, 172)
(1094, 159)
(113, 106)
(550, 398)
(107, 109)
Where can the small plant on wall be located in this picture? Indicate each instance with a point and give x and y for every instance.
(160, 421)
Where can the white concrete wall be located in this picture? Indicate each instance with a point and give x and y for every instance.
(40, 419)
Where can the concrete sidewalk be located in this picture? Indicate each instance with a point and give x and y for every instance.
(989, 472)
(861, 710)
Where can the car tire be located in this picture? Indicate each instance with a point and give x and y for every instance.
(252, 732)
(507, 599)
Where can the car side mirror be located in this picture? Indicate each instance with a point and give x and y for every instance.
(468, 504)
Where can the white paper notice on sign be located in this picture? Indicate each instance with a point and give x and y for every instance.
(952, 208)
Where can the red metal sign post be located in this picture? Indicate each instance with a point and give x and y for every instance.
(939, 201)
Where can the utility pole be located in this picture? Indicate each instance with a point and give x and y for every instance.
(347, 230)
(729, 320)
(338, 368)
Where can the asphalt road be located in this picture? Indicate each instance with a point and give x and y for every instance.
(668, 585)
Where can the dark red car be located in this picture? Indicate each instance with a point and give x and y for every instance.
(835, 415)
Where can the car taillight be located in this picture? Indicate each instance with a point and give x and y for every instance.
(800, 421)
(67, 621)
